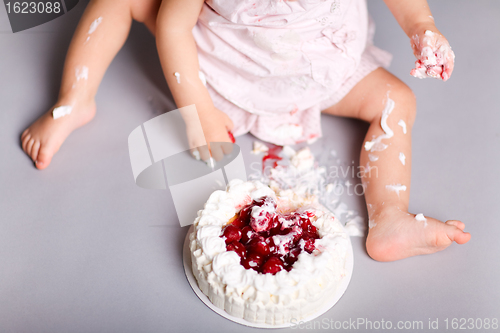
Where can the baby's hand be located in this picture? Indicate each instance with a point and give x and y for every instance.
(434, 56)
(216, 127)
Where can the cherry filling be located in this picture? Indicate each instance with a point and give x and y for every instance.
(268, 241)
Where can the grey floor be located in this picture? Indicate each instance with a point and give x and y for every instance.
(83, 249)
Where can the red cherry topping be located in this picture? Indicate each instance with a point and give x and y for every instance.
(259, 246)
(247, 234)
(238, 222)
(309, 245)
(297, 233)
(238, 248)
(310, 231)
(292, 256)
(232, 233)
(273, 265)
(282, 244)
(275, 226)
(265, 201)
(245, 213)
(253, 261)
(251, 234)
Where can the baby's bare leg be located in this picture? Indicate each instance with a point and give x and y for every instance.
(383, 100)
(101, 33)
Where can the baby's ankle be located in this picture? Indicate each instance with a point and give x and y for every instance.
(382, 209)
(75, 98)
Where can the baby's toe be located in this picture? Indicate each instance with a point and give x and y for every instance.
(29, 145)
(43, 159)
(34, 150)
(455, 234)
(26, 131)
(462, 237)
(457, 224)
(25, 141)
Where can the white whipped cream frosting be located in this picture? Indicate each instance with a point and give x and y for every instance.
(259, 216)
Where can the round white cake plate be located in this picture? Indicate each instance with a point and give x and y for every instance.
(186, 253)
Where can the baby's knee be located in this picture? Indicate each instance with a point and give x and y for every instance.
(145, 11)
(405, 104)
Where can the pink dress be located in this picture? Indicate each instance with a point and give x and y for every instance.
(273, 65)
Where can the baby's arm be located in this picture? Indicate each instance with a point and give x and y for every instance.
(433, 52)
(179, 60)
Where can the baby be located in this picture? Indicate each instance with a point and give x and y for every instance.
(271, 67)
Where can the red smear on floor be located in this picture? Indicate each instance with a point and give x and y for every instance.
(272, 155)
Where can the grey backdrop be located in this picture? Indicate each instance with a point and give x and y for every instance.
(83, 249)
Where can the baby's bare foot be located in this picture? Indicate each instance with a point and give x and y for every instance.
(44, 137)
(395, 234)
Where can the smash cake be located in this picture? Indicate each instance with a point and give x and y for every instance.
(267, 256)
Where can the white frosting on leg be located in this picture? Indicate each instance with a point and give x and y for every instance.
(82, 73)
(177, 77)
(94, 25)
(396, 188)
(421, 217)
(61, 111)
(402, 158)
(376, 144)
(402, 123)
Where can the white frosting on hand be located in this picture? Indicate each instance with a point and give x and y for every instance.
(433, 58)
